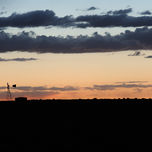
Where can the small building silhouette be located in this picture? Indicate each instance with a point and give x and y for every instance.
(21, 99)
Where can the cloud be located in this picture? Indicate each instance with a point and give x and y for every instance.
(121, 20)
(146, 13)
(149, 57)
(92, 8)
(133, 82)
(34, 19)
(30, 94)
(118, 18)
(42, 88)
(137, 53)
(3, 12)
(123, 85)
(120, 12)
(17, 59)
(67, 88)
(36, 92)
(140, 39)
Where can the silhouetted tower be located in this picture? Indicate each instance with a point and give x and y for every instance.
(9, 95)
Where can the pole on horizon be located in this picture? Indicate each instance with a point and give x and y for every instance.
(9, 95)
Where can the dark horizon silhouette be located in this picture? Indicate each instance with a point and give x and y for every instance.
(80, 101)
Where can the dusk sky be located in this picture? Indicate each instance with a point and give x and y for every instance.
(68, 49)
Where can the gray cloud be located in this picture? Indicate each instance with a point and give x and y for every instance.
(149, 57)
(92, 8)
(3, 12)
(120, 12)
(137, 82)
(17, 59)
(42, 88)
(113, 86)
(137, 53)
(118, 18)
(140, 39)
(146, 13)
(122, 20)
(34, 19)
(67, 88)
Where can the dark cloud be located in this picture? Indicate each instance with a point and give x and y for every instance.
(122, 20)
(34, 19)
(3, 12)
(92, 8)
(137, 53)
(149, 57)
(146, 13)
(120, 12)
(140, 39)
(118, 18)
(113, 86)
(17, 59)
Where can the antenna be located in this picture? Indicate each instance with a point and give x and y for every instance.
(9, 95)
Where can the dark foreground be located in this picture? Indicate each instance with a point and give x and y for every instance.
(76, 125)
(81, 101)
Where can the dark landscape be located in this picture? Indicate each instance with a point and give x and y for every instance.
(80, 101)
(76, 125)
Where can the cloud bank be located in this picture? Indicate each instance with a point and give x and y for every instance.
(140, 39)
(117, 18)
(121, 20)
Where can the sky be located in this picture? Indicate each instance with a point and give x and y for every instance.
(76, 49)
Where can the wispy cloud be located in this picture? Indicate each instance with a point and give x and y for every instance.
(43, 88)
(137, 82)
(17, 59)
(37, 92)
(30, 94)
(47, 92)
(118, 86)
